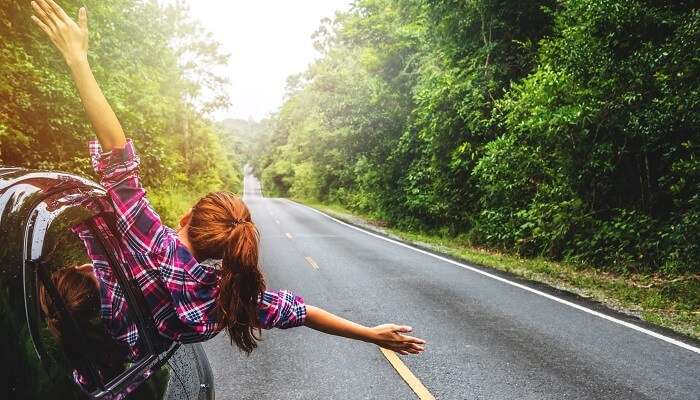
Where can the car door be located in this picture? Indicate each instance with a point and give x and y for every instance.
(78, 351)
(37, 210)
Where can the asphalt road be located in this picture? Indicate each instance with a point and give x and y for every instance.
(487, 339)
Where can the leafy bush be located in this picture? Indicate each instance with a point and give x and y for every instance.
(562, 129)
(134, 52)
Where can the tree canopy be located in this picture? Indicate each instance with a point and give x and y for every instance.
(154, 65)
(567, 129)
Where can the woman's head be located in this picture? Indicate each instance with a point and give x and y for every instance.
(219, 227)
(79, 291)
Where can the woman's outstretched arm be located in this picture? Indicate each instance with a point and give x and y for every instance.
(389, 336)
(71, 39)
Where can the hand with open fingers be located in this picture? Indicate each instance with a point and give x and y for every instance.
(393, 337)
(69, 37)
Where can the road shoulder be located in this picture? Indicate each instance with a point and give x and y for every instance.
(642, 300)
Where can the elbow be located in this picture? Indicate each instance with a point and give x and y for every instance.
(114, 143)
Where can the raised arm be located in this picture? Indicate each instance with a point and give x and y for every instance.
(71, 39)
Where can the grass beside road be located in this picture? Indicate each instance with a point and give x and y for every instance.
(673, 303)
(172, 200)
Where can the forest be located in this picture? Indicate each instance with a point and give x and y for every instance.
(564, 131)
(157, 68)
(558, 129)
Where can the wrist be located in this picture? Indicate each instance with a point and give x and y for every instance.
(369, 334)
(75, 61)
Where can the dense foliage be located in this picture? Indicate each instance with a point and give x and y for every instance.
(242, 137)
(567, 128)
(154, 65)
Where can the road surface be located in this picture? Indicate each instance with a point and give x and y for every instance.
(487, 339)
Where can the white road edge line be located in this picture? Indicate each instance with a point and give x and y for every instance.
(518, 285)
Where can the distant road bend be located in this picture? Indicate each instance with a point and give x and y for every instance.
(488, 337)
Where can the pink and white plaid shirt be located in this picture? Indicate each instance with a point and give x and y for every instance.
(180, 292)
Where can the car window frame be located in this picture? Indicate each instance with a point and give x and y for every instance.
(37, 257)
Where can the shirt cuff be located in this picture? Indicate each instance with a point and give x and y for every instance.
(115, 162)
(298, 311)
(282, 309)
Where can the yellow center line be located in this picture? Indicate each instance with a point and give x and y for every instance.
(406, 374)
(289, 235)
(311, 262)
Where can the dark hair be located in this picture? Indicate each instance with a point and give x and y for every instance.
(220, 228)
(80, 294)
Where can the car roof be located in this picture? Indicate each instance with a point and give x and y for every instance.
(17, 185)
(45, 180)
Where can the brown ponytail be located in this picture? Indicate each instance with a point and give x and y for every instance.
(220, 227)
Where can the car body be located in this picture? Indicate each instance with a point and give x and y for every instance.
(37, 210)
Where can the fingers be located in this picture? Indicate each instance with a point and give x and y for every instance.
(45, 19)
(413, 348)
(82, 19)
(394, 338)
(404, 348)
(42, 25)
(50, 14)
(405, 329)
(411, 339)
(417, 347)
(58, 11)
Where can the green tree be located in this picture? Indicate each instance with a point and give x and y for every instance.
(566, 129)
(151, 62)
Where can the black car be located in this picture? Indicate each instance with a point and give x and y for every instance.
(37, 210)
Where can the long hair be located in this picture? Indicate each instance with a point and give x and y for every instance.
(220, 228)
(80, 294)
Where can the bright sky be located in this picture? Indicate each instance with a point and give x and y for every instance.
(268, 40)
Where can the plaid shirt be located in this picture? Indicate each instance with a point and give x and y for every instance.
(180, 292)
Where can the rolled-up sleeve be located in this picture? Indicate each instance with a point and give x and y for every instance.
(118, 171)
(281, 309)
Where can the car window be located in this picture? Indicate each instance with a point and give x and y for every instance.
(80, 344)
